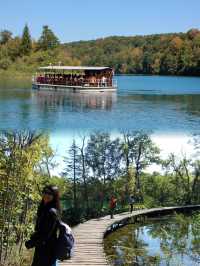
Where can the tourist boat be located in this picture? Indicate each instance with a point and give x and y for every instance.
(75, 78)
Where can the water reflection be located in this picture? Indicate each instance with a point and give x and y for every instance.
(164, 241)
(78, 101)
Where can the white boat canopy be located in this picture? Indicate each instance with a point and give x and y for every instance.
(73, 68)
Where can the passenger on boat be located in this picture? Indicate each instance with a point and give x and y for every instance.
(75, 80)
(93, 80)
(67, 79)
(71, 80)
(103, 81)
(81, 80)
(39, 79)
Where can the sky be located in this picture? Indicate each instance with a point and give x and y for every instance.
(74, 20)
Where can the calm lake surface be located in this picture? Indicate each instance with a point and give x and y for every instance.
(158, 104)
(170, 240)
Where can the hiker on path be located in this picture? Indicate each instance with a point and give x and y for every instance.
(44, 237)
(131, 202)
(113, 204)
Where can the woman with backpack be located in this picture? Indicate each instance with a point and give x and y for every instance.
(45, 236)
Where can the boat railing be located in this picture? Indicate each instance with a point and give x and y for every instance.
(64, 82)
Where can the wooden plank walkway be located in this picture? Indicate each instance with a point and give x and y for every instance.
(89, 236)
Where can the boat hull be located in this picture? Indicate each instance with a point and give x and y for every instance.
(51, 87)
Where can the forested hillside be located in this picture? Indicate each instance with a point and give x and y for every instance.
(162, 54)
(170, 54)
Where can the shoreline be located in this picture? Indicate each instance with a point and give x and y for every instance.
(28, 75)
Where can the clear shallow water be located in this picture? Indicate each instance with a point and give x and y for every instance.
(171, 240)
(158, 104)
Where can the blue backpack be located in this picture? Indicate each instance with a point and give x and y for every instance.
(65, 242)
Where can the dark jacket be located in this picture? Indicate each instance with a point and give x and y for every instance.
(44, 237)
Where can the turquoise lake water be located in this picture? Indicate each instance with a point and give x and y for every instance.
(151, 103)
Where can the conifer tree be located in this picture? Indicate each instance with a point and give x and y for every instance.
(26, 43)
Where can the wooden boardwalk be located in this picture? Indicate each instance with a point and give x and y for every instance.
(89, 235)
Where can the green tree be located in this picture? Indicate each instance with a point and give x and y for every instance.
(48, 39)
(186, 181)
(169, 64)
(147, 63)
(103, 157)
(139, 152)
(20, 183)
(5, 36)
(185, 58)
(14, 48)
(84, 172)
(5, 61)
(26, 42)
(72, 170)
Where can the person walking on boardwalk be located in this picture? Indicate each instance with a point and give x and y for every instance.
(45, 235)
(113, 204)
(131, 202)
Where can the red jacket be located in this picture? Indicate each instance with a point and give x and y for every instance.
(113, 203)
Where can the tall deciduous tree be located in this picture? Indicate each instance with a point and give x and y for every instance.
(186, 174)
(48, 39)
(103, 158)
(139, 152)
(5, 36)
(20, 155)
